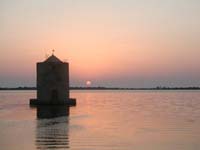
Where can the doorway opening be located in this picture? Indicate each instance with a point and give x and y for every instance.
(54, 95)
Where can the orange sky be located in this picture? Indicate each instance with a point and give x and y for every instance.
(112, 43)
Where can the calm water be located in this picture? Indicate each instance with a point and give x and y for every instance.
(103, 120)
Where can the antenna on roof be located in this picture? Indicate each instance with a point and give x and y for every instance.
(53, 51)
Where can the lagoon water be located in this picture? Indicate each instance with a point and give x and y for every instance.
(103, 120)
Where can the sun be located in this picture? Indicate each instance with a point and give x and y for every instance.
(88, 83)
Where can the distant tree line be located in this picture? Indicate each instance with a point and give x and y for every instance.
(18, 88)
(108, 88)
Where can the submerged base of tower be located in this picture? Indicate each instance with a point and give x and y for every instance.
(68, 102)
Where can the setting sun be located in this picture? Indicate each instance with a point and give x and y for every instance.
(88, 83)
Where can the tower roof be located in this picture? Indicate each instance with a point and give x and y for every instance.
(52, 58)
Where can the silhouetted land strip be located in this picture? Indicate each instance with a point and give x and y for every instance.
(108, 88)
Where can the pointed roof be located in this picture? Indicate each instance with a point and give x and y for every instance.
(53, 58)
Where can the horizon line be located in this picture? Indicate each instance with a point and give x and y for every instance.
(108, 88)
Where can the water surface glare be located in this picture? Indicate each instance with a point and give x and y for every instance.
(103, 120)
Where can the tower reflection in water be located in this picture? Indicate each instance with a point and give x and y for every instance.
(52, 127)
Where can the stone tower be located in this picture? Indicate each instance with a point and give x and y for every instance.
(53, 83)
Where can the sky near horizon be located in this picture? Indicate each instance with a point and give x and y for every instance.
(124, 43)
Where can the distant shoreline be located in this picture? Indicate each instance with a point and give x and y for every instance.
(108, 88)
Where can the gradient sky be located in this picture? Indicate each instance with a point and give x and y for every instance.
(124, 43)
